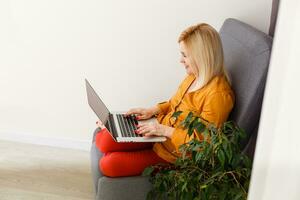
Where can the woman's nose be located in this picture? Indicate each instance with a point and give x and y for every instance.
(182, 60)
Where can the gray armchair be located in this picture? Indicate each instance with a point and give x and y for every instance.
(247, 52)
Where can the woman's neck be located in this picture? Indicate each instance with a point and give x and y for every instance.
(197, 84)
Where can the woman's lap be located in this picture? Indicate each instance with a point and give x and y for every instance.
(116, 164)
(105, 143)
(124, 159)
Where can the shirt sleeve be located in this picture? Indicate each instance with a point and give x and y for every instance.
(217, 107)
(164, 106)
(215, 110)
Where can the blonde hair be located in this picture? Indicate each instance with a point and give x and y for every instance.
(204, 45)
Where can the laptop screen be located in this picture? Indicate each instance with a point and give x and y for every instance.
(96, 104)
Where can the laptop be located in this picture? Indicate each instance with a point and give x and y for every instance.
(120, 127)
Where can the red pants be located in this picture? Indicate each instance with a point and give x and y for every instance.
(124, 158)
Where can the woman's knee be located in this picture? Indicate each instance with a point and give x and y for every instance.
(104, 141)
(110, 166)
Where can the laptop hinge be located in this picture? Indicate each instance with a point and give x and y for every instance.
(112, 126)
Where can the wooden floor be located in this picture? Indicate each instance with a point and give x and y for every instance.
(33, 172)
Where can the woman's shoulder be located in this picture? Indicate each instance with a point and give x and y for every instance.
(220, 84)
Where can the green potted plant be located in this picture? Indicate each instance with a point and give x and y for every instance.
(212, 169)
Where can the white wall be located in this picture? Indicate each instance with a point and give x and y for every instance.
(127, 49)
(276, 169)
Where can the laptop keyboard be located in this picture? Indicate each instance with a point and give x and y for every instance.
(127, 125)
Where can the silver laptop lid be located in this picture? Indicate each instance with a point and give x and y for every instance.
(96, 104)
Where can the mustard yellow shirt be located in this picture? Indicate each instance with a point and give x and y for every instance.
(213, 102)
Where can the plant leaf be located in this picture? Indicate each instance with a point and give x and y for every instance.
(221, 157)
(176, 114)
(148, 171)
(188, 118)
(200, 172)
(200, 127)
(228, 150)
(238, 196)
(199, 156)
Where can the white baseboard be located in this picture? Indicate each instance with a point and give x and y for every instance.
(47, 141)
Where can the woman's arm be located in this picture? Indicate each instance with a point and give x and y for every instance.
(155, 110)
(215, 110)
(163, 107)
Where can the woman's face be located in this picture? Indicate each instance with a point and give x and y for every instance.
(186, 59)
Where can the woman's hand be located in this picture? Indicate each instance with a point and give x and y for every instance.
(143, 113)
(100, 124)
(154, 129)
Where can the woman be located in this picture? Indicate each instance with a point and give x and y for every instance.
(205, 91)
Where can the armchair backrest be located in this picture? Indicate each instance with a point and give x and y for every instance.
(247, 54)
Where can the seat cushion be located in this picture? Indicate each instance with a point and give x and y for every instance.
(133, 188)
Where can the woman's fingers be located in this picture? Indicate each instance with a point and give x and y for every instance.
(151, 134)
(130, 112)
(133, 111)
(146, 129)
(141, 113)
(100, 124)
(142, 129)
(141, 116)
